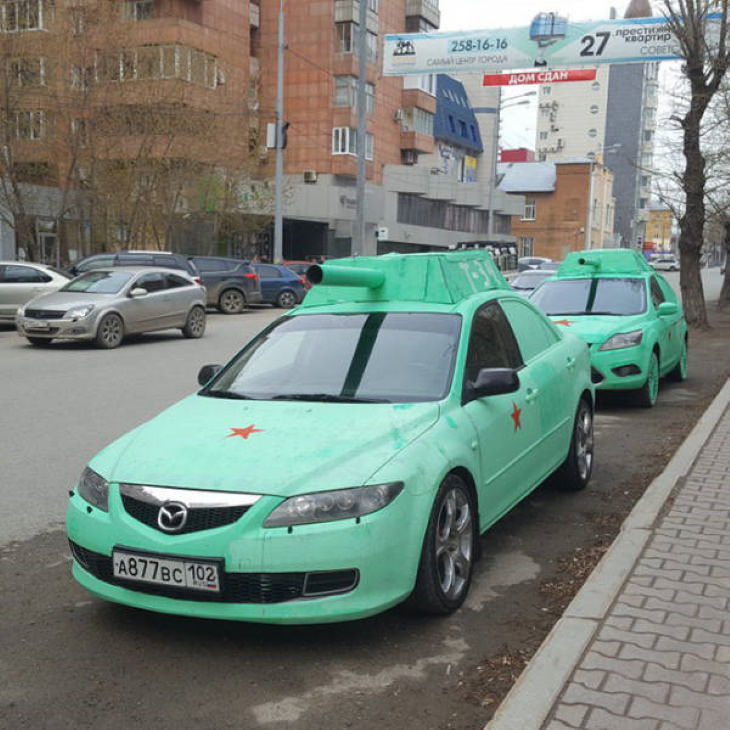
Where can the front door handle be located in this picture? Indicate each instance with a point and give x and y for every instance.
(531, 395)
(570, 363)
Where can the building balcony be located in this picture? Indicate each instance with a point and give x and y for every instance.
(347, 64)
(426, 9)
(348, 11)
(420, 99)
(416, 141)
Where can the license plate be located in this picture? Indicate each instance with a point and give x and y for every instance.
(34, 324)
(161, 570)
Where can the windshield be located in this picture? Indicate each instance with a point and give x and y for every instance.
(372, 358)
(591, 296)
(98, 282)
(529, 280)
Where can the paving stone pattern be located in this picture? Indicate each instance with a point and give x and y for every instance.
(661, 658)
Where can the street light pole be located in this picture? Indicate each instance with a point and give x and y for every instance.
(495, 152)
(359, 246)
(279, 174)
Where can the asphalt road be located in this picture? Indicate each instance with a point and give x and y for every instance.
(68, 660)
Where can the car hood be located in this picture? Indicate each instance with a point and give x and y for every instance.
(595, 329)
(264, 447)
(64, 300)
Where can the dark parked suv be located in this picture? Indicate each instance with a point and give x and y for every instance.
(136, 258)
(232, 284)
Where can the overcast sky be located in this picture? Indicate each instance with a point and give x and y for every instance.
(518, 128)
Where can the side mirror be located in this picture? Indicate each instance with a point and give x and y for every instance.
(207, 373)
(138, 291)
(493, 381)
(667, 309)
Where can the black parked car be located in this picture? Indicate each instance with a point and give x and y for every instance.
(137, 258)
(232, 284)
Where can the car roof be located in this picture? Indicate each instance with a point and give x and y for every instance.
(26, 263)
(139, 270)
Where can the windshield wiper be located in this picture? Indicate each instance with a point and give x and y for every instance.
(327, 398)
(227, 394)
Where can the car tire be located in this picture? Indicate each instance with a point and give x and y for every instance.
(449, 550)
(110, 331)
(232, 301)
(679, 373)
(646, 396)
(194, 324)
(39, 341)
(286, 299)
(576, 470)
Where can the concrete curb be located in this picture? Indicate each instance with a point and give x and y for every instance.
(531, 699)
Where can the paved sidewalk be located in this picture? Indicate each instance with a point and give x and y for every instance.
(645, 645)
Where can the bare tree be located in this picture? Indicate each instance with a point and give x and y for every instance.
(706, 55)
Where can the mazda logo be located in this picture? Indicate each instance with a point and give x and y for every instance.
(172, 516)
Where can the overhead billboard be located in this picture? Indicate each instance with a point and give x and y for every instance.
(550, 41)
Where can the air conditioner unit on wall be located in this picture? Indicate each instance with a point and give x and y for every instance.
(310, 176)
(397, 115)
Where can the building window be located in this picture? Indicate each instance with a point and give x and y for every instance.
(418, 120)
(462, 129)
(593, 133)
(419, 211)
(373, 5)
(78, 21)
(30, 124)
(347, 41)
(595, 109)
(28, 72)
(596, 86)
(344, 142)
(158, 62)
(648, 135)
(530, 211)
(346, 93)
(452, 124)
(19, 15)
(80, 131)
(138, 10)
(424, 82)
(525, 246)
(543, 135)
(547, 90)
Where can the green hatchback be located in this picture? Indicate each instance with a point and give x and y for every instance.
(348, 457)
(627, 313)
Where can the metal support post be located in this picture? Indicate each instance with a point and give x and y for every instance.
(279, 175)
(495, 163)
(359, 244)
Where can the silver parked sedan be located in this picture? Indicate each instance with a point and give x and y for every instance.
(21, 281)
(104, 305)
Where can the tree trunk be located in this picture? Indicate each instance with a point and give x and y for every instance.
(692, 223)
(724, 300)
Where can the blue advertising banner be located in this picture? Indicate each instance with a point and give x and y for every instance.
(550, 41)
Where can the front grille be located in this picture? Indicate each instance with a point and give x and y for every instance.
(44, 313)
(235, 587)
(199, 518)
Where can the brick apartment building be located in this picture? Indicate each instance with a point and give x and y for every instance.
(563, 201)
(142, 123)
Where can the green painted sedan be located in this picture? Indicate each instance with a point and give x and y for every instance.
(627, 313)
(348, 457)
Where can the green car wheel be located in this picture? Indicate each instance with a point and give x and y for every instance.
(679, 374)
(646, 396)
(449, 549)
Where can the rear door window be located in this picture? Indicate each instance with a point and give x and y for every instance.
(175, 282)
(534, 335)
(152, 282)
(269, 272)
(23, 275)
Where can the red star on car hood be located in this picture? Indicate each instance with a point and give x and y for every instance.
(515, 416)
(244, 433)
(563, 322)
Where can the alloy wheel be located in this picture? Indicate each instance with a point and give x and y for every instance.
(454, 542)
(196, 322)
(286, 300)
(232, 301)
(584, 441)
(111, 331)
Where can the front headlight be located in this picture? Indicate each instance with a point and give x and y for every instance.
(79, 312)
(626, 339)
(340, 504)
(94, 489)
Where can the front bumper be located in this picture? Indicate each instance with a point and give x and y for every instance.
(383, 549)
(633, 361)
(67, 329)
